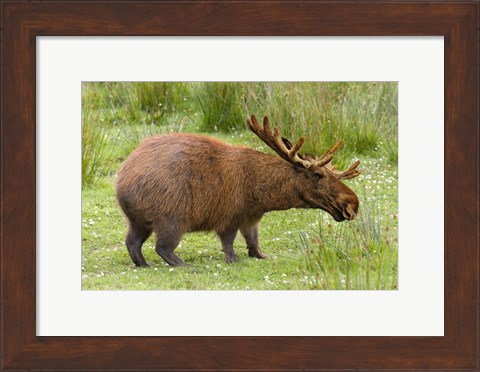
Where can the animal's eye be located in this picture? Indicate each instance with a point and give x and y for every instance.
(318, 176)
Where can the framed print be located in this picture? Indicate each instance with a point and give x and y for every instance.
(60, 60)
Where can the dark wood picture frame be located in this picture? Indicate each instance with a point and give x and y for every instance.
(23, 21)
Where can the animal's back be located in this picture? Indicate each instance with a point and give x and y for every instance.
(192, 179)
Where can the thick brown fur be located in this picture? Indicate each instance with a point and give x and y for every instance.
(178, 183)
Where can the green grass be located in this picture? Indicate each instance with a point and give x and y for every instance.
(222, 106)
(362, 114)
(96, 160)
(306, 249)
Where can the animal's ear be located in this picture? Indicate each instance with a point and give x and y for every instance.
(318, 175)
(309, 157)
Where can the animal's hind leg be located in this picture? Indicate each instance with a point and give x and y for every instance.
(135, 238)
(250, 233)
(168, 238)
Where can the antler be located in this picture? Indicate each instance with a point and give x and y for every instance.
(289, 152)
(326, 158)
(275, 142)
(351, 172)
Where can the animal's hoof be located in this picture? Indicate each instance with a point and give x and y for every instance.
(144, 264)
(257, 254)
(230, 260)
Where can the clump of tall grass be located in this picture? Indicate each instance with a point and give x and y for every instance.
(390, 148)
(95, 153)
(360, 114)
(359, 254)
(137, 102)
(221, 105)
(161, 97)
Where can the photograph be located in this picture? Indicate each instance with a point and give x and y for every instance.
(239, 186)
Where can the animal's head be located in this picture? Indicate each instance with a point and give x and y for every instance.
(320, 185)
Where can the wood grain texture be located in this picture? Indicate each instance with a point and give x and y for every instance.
(23, 21)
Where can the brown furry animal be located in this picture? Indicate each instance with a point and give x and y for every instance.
(178, 183)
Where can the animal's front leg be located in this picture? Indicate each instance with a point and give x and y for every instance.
(250, 233)
(227, 237)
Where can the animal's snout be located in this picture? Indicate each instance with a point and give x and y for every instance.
(350, 208)
(349, 213)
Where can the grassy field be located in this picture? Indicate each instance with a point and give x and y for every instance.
(306, 249)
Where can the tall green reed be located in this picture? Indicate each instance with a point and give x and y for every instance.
(95, 154)
(363, 115)
(352, 255)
